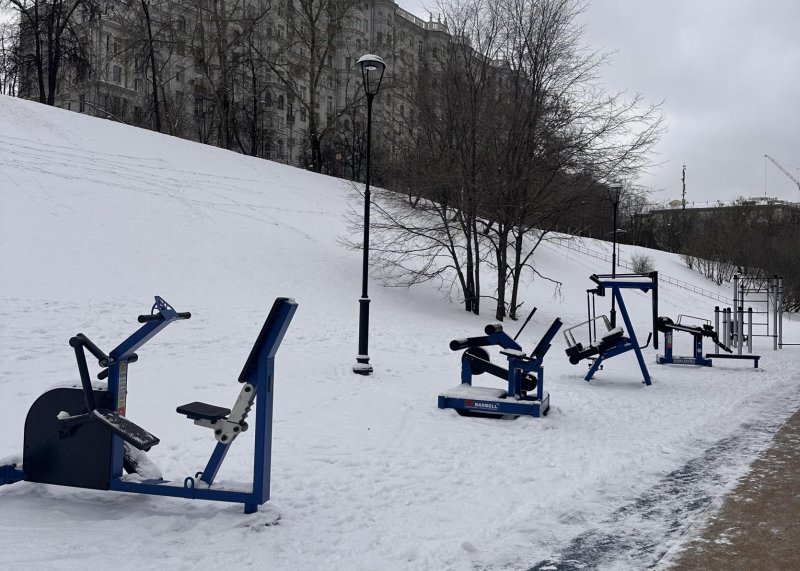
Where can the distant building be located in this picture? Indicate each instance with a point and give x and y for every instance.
(257, 98)
(668, 228)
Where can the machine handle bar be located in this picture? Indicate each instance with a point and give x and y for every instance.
(156, 316)
(82, 340)
(104, 373)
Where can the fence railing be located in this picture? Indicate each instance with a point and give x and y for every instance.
(572, 245)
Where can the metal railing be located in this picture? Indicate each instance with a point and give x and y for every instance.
(662, 278)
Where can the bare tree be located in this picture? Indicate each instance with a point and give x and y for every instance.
(554, 123)
(308, 33)
(510, 124)
(254, 70)
(217, 49)
(9, 58)
(151, 58)
(50, 37)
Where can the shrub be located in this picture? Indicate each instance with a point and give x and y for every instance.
(642, 264)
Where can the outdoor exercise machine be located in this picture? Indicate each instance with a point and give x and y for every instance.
(666, 326)
(525, 374)
(78, 435)
(611, 341)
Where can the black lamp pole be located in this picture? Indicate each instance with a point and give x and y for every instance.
(614, 192)
(372, 68)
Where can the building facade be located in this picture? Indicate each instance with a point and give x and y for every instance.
(274, 80)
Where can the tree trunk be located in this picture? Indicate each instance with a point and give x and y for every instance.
(153, 68)
(516, 274)
(469, 287)
(501, 254)
(476, 306)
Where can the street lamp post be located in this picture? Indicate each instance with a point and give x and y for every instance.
(372, 68)
(614, 190)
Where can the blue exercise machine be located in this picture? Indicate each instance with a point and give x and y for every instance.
(612, 341)
(525, 374)
(666, 326)
(78, 435)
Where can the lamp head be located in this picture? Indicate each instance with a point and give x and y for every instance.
(372, 68)
(614, 190)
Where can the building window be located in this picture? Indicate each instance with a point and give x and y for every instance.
(330, 103)
(181, 24)
(179, 75)
(82, 102)
(180, 48)
(303, 114)
(280, 101)
(289, 110)
(116, 74)
(302, 93)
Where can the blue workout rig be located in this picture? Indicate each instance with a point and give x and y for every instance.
(613, 341)
(525, 374)
(78, 435)
(666, 326)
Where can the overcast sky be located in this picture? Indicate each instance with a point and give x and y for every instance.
(728, 73)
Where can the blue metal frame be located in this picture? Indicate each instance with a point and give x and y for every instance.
(259, 372)
(669, 359)
(262, 378)
(623, 344)
(517, 401)
(10, 474)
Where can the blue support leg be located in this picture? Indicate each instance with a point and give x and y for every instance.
(594, 368)
(632, 334)
(214, 463)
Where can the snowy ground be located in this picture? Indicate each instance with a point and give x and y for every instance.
(368, 473)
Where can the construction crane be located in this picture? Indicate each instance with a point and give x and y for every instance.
(784, 171)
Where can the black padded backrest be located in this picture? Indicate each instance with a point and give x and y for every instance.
(271, 334)
(543, 346)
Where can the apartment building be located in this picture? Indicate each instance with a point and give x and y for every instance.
(256, 78)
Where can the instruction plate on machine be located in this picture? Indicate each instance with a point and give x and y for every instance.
(122, 394)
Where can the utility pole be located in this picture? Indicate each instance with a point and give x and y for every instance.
(683, 196)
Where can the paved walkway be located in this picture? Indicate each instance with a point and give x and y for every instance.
(758, 526)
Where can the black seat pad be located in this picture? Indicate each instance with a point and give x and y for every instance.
(200, 410)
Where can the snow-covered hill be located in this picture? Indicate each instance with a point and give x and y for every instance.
(96, 218)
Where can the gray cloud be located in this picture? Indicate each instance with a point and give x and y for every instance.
(729, 75)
